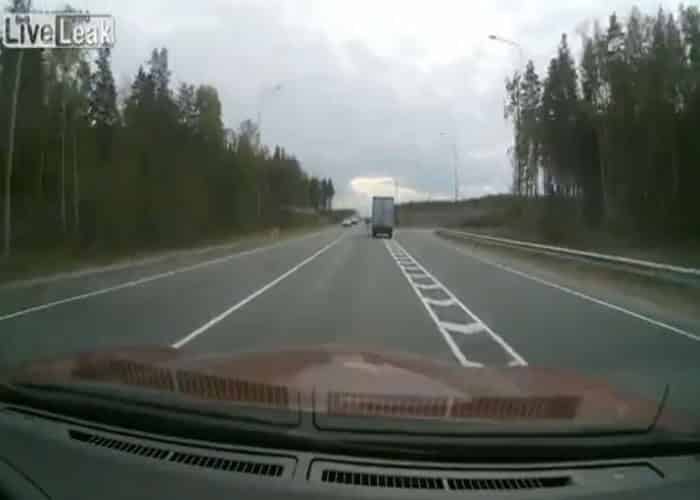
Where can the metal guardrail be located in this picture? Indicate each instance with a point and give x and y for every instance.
(642, 265)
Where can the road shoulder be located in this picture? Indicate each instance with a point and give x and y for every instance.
(95, 266)
(668, 302)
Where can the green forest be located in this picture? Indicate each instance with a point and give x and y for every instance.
(615, 136)
(88, 170)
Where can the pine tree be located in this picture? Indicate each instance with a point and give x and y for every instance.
(102, 112)
(331, 193)
(187, 107)
(530, 91)
(208, 125)
(314, 193)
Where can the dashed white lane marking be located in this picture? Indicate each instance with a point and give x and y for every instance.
(146, 279)
(580, 295)
(206, 326)
(415, 274)
(438, 302)
(395, 250)
(467, 329)
(432, 286)
(413, 279)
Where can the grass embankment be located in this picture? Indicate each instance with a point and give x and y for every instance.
(66, 259)
(554, 222)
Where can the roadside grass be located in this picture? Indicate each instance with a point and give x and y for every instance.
(48, 262)
(556, 222)
(663, 298)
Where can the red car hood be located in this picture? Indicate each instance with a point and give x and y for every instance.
(344, 387)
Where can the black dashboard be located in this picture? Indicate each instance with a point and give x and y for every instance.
(44, 455)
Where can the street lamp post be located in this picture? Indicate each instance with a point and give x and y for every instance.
(521, 65)
(455, 159)
(521, 52)
(264, 93)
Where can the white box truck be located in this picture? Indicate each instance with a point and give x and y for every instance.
(382, 216)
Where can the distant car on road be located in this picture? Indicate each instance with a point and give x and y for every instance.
(382, 216)
(346, 223)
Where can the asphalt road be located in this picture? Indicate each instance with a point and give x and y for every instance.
(416, 293)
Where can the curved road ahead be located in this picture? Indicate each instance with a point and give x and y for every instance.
(416, 293)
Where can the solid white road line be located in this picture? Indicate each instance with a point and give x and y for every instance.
(119, 266)
(517, 359)
(589, 298)
(206, 326)
(147, 279)
(467, 329)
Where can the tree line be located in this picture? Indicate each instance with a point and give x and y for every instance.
(152, 166)
(617, 134)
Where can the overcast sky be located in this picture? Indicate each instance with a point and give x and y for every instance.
(372, 91)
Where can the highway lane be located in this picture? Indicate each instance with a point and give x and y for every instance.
(155, 304)
(417, 294)
(353, 295)
(18, 296)
(557, 330)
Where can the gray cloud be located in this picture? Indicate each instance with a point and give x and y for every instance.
(388, 104)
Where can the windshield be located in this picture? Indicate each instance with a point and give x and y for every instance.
(416, 218)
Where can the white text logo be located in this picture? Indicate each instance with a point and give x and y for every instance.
(57, 30)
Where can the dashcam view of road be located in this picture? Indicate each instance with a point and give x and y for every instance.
(468, 215)
(417, 293)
